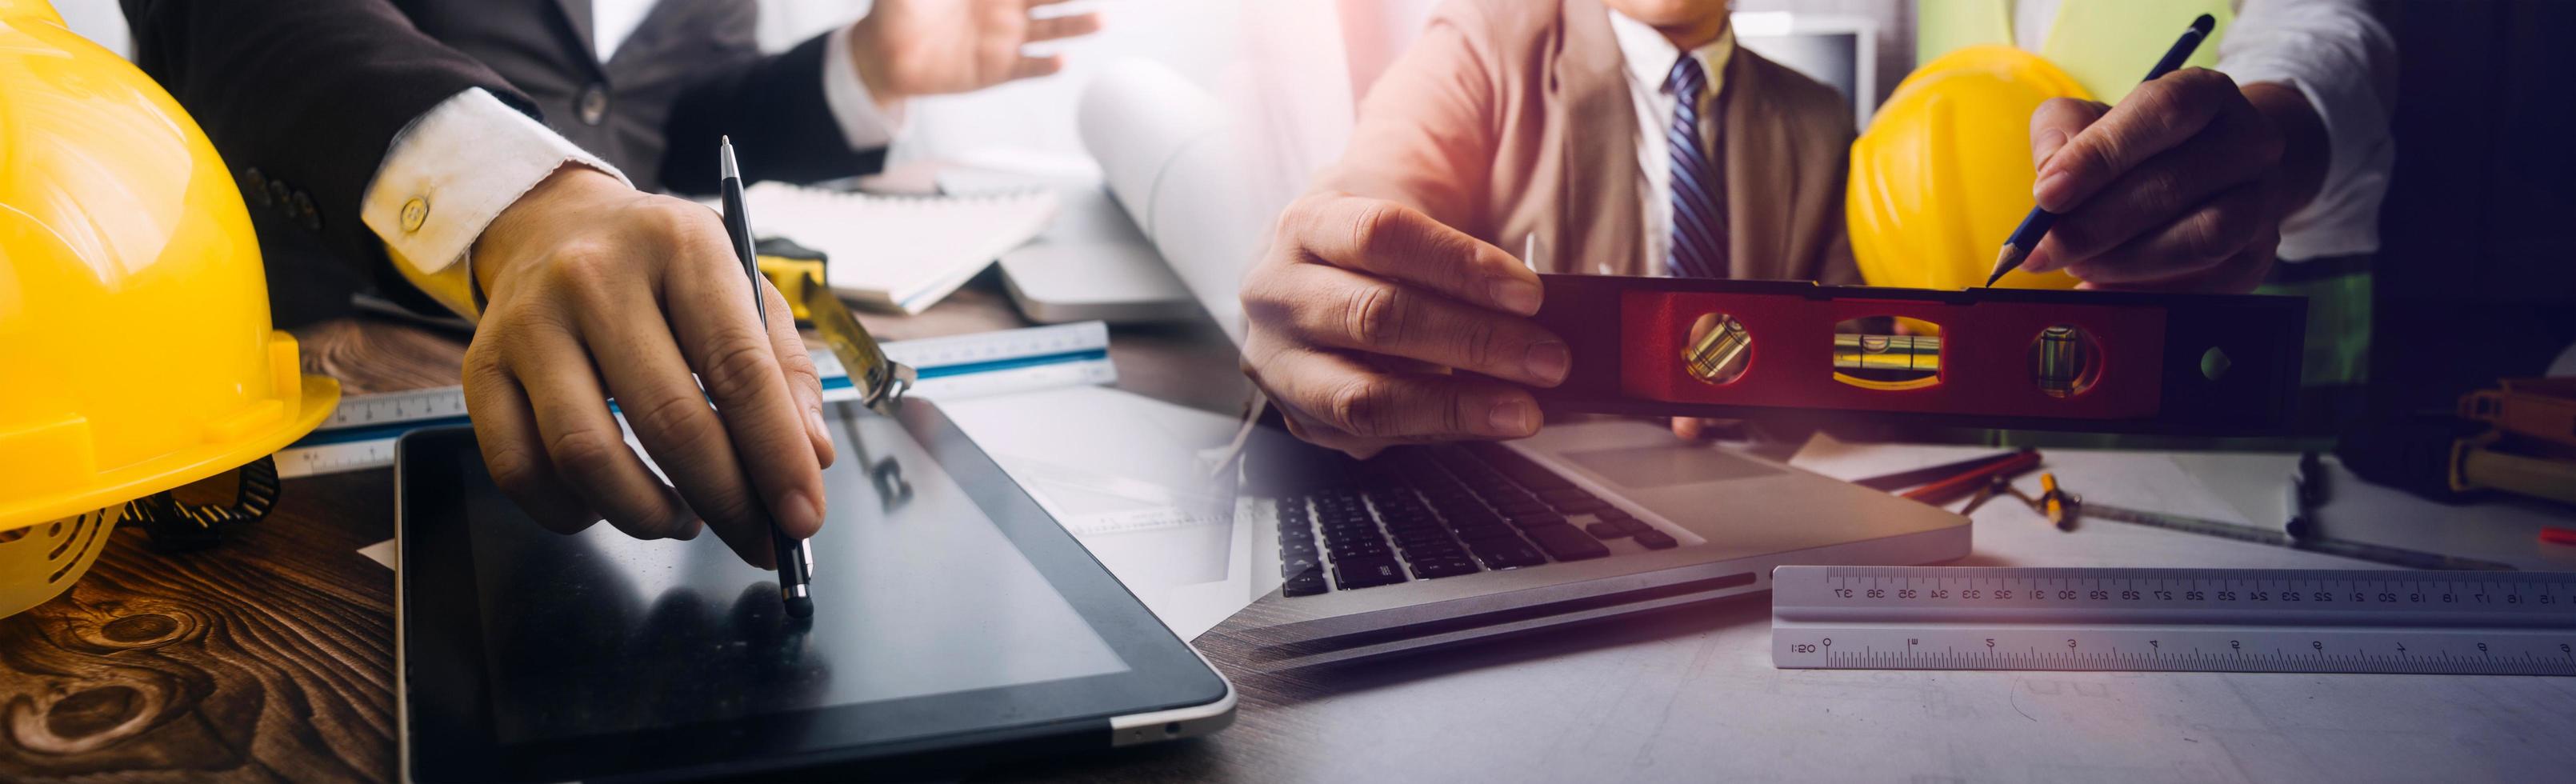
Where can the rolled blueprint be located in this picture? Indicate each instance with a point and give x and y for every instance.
(1171, 155)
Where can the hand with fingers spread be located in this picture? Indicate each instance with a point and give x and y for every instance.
(1371, 324)
(2181, 187)
(597, 290)
(905, 48)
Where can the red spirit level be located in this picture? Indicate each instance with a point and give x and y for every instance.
(1999, 358)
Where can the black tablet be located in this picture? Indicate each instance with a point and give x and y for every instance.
(952, 617)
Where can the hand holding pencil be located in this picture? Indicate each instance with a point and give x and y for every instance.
(2181, 187)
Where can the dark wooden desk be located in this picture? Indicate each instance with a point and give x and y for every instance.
(271, 657)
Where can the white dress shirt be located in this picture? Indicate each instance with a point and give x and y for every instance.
(1650, 58)
(2334, 53)
(453, 170)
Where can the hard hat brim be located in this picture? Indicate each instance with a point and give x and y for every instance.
(320, 395)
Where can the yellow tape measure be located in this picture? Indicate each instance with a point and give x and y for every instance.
(879, 381)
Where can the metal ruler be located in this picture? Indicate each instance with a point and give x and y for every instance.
(2221, 620)
(360, 434)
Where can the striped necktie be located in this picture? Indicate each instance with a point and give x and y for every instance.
(1699, 189)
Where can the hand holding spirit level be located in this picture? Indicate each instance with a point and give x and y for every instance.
(2047, 360)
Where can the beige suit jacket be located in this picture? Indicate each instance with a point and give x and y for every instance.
(1510, 119)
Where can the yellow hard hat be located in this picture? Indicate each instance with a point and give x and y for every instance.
(1944, 172)
(135, 341)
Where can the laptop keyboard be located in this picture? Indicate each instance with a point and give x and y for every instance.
(1424, 513)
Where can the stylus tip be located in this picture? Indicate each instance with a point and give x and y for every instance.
(800, 606)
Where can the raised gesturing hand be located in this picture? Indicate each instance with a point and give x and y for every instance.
(930, 47)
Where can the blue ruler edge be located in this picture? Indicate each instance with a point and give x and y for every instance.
(375, 432)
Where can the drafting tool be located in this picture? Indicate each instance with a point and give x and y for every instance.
(1953, 488)
(2008, 358)
(360, 434)
(789, 266)
(1994, 485)
(2363, 551)
(877, 381)
(2221, 620)
(1904, 479)
(2055, 504)
(992, 363)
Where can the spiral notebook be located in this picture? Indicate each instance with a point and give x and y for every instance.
(899, 252)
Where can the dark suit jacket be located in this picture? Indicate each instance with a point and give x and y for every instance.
(303, 97)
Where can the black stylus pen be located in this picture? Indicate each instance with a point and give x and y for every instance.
(795, 556)
(2026, 236)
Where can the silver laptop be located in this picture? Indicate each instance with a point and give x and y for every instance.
(1426, 546)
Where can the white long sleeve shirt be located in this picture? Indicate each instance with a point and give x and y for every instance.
(2334, 53)
(452, 171)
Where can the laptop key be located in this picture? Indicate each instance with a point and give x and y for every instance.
(1307, 584)
(1564, 543)
(1291, 567)
(1506, 554)
(1528, 521)
(1367, 572)
(1431, 547)
(1553, 495)
(1361, 549)
(1632, 525)
(1605, 530)
(1656, 540)
(1580, 505)
(1428, 542)
(1449, 566)
(1518, 467)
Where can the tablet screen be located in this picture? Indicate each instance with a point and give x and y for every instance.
(916, 592)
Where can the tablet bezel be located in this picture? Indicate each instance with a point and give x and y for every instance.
(445, 703)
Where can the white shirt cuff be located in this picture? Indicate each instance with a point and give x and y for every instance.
(2342, 219)
(448, 175)
(2344, 63)
(864, 124)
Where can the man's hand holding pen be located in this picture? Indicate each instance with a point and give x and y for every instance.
(2182, 186)
(597, 290)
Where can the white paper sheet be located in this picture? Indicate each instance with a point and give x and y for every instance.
(1173, 157)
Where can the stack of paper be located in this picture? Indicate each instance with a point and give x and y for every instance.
(899, 252)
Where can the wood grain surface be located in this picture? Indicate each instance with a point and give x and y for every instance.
(270, 657)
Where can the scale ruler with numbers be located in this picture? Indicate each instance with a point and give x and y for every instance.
(360, 434)
(2220, 620)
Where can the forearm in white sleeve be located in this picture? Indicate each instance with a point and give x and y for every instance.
(2345, 63)
(447, 176)
(864, 124)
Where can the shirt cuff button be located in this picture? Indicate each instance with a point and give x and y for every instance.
(414, 213)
